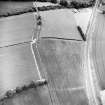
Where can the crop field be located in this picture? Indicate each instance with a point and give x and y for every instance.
(64, 28)
(62, 62)
(99, 49)
(17, 67)
(58, 55)
(13, 32)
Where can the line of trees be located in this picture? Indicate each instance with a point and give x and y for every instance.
(66, 3)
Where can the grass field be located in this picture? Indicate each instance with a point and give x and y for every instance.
(7, 8)
(33, 96)
(15, 8)
(56, 27)
(62, 61)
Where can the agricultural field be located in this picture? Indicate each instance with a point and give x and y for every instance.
(13, 32)
(15, 8)
(60, 50)
(62, 61)
(58, 54)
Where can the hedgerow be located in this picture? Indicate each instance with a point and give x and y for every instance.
(62, 4)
